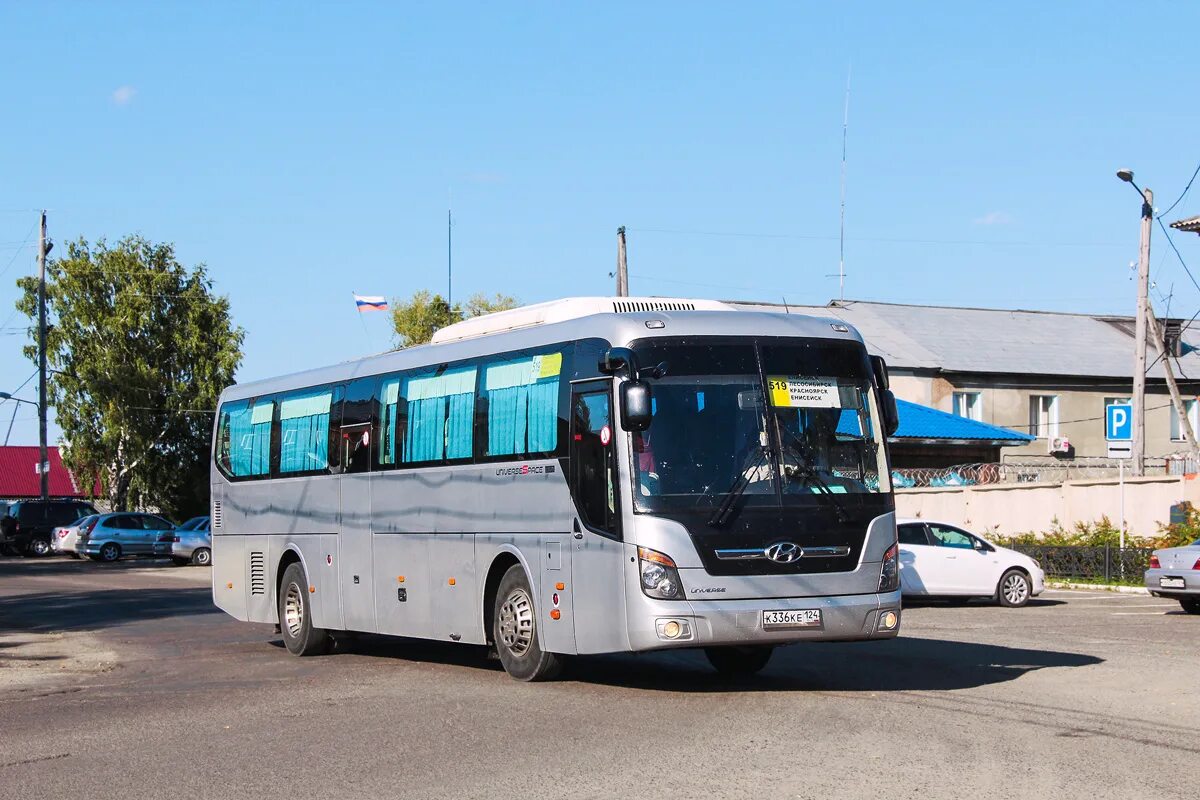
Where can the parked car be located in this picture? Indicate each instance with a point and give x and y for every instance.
(193, 545)
(28, 525)
(1175, 573)
(63, 538)
(942, 560)
(126, 534)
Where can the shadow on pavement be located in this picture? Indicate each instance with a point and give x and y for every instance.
(65, 565)
(92, 610)
(902, 664)
(944, 602)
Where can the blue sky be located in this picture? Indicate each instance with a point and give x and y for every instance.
(306, 153)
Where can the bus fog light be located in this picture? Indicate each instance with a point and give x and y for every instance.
(888, 621)
(673, 629)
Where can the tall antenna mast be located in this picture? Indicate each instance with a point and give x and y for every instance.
(842, 231)
(450, 252)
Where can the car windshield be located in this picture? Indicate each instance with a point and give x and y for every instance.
(790, 422)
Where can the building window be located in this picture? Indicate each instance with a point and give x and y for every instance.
(1043, 415)
(969, 405)
(1189, 406)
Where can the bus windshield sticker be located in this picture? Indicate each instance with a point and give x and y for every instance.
(548, 365)
(804, 392)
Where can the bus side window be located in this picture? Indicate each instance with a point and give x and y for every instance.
(592, 461)
(358, 413)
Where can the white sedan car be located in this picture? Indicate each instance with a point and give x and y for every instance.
(942, 560)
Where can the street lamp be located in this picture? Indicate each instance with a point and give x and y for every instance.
(7, 396)
(1139, 345)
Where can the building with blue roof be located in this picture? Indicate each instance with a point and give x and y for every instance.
(931, 438)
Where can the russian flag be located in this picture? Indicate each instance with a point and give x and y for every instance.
(370, 302)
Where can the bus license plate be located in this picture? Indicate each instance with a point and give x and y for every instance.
(1171, 583)
(794, 618)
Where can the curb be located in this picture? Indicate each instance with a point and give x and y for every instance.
(1103, 587)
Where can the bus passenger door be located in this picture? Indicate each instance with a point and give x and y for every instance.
(355, 540)
(596, 569)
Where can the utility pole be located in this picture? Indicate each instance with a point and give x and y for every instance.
(622, 267)
(43, 463)
(1185, 424)
(1139, 358)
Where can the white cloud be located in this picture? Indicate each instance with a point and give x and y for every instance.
(123, 95)
(993, 218)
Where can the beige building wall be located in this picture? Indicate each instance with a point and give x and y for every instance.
(1013, 508)
(1006, 404)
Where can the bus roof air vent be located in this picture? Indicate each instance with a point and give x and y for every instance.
(568, 308)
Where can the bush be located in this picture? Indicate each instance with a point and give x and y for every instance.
(1180, 533)
(1103, 533)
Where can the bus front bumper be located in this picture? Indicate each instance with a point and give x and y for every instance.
(706, 623)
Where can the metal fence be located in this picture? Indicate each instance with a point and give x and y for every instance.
(1107, 563)
(1034, 469)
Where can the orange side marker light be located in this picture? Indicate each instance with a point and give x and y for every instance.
(555, 614)
(399, 579)
(451, 581)
(312, 589)
(560, 586)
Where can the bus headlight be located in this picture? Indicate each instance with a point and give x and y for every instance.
(660, 578)
(889, 574)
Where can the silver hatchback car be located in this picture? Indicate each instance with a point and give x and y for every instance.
(192, 543)
(125, 534)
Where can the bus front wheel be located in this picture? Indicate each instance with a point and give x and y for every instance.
(295, 615)
(515, 631)
(739, 661)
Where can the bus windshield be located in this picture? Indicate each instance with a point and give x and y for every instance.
(764, 423)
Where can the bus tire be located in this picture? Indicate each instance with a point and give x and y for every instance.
(295, 615)
(735, 661)
(515, 631)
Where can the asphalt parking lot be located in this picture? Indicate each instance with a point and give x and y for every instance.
(123, 681)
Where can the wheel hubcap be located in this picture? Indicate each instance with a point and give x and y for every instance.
(1015, 589)
(293, 610)
(202, 557)
(109, 553)
(516, 622)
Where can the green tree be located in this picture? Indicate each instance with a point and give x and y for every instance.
(139, 348)
(416, 320)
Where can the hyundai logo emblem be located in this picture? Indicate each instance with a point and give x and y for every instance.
(783, 552)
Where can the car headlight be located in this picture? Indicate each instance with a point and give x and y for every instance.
(889, 573)
(659, 576)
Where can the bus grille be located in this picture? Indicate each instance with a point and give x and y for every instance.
(258, 573)
(216, 517)
(630, 307)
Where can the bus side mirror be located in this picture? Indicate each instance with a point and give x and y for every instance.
(879, 367)
(636, 406)
(891, 415)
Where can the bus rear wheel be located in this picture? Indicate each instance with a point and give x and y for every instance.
(739, 661)
(515, 631)
(295, 615)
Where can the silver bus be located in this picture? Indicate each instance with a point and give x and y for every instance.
(590, 475)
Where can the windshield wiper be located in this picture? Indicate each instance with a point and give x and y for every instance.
(753, 460)
(811, 473)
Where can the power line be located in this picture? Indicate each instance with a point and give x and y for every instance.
(1182, 194)
(1178, 255)
(883, 239)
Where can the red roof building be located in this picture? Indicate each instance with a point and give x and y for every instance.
(19, 477)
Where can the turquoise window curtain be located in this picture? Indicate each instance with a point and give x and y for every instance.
(304, 431)
(250, 438)
(523, 405)
(440, 411)
(391, 405)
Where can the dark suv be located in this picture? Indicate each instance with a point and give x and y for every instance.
(26, 529)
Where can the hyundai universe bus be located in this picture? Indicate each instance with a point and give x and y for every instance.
(590, 475)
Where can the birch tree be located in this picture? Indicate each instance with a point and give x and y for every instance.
(139, 348)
